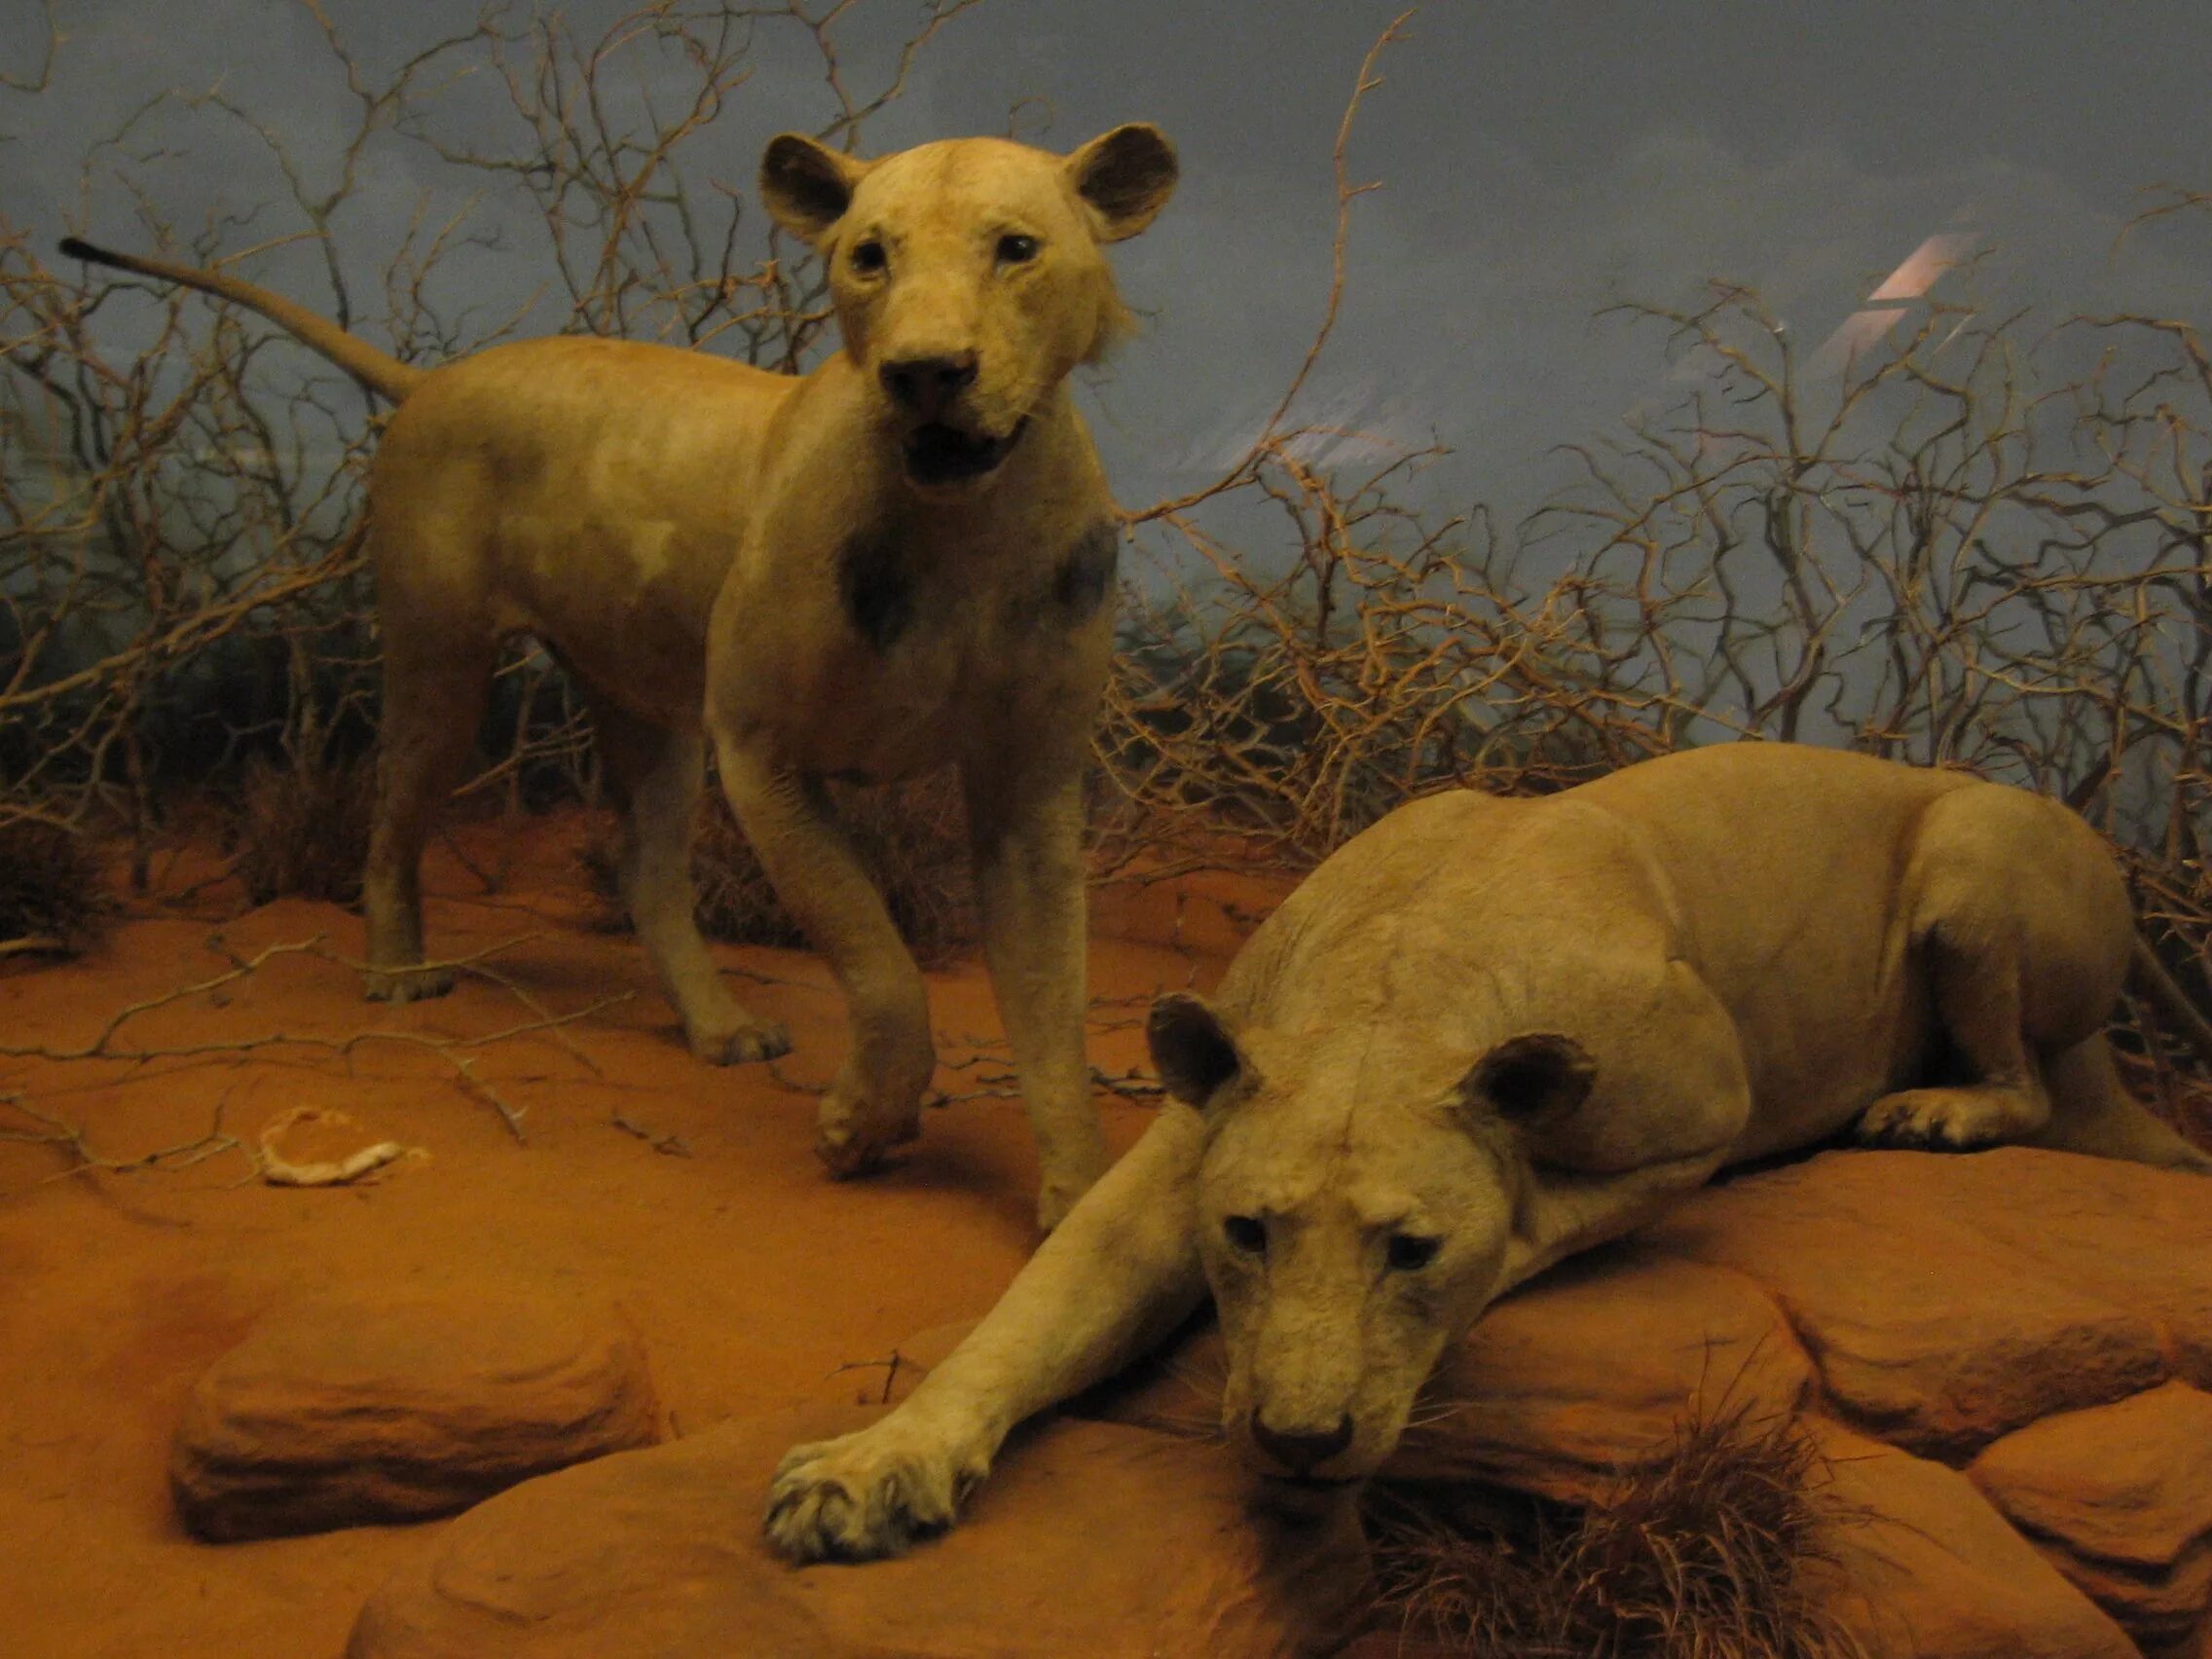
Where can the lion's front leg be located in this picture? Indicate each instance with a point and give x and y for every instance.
(875, 1103)
(1025, 820)
(654, 775)
(1118, 1274)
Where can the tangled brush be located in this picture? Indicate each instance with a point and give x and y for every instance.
(305, 830)
(53, 896)
(911, 839)
(1717, 1551)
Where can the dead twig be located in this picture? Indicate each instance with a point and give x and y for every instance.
(462, 1054)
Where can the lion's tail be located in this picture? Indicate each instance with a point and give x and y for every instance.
(2150, 976)
(386, 376)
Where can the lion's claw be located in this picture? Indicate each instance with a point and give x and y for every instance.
(858, 1499)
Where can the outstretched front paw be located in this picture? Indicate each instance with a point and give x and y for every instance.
(866, 1496)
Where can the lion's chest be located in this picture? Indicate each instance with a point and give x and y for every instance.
(905, 654)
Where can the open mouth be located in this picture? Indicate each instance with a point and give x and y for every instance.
(1309, 1482)
(939, 454)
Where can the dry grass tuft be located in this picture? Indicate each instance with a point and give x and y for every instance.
(52, 894)
(305, 831)
(1714, 1553)
(912, 837)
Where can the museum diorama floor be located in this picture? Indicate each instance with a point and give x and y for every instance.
(689, 1195)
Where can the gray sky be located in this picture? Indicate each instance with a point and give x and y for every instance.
(1539, 161)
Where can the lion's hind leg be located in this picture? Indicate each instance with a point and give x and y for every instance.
(2022, 926)
(2091, 1112)
(434, 692)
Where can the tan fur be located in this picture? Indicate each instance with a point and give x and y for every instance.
(798, 558)
(1490, 1032)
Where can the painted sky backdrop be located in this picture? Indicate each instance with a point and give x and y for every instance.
(1538, 162)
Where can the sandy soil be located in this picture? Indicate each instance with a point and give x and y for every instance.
(753, 1277)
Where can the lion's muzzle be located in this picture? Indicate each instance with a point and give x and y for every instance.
(929, 387)
(1301, 1453)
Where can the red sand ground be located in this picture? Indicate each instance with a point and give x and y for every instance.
(753, 1277)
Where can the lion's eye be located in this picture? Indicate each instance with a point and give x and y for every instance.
(1409, 1253)
(1015, 248)
(868, 258)
(1247, 1233)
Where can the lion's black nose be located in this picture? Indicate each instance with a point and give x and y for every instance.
(1301, 1453)
(929, 386)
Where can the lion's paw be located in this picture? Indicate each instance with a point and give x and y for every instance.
(739, 1043)
(1942, 1119)
(857, 1135)
(864, 1497)
(408, 984)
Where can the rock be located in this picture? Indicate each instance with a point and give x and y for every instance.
(1909, 1279)
(394, 1408)
(1593, 1369)
(2121, 1494)
(2163, 1611)
(1930, 1571)
(1095, 1539)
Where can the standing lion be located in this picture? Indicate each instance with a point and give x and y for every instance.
(901, 561)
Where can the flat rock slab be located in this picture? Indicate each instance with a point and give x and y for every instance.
(1948, 1300)
(1929, 1571)
(2121, 1496)
(1094, 1539)
(343, 1412)
(1595, 1369)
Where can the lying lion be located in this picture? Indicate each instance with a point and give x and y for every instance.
(1488, 1033)
(901, 560)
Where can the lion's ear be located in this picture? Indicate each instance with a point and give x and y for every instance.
(1534, 1077)
(1191, 1050)
(1125, 176)
(807, 185)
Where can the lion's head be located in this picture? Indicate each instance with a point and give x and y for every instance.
(1357, 1206)
(970, 276)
